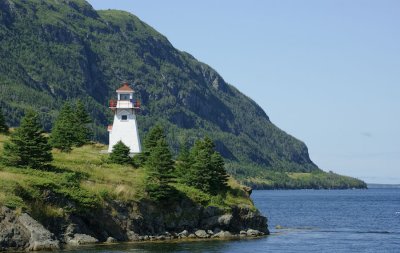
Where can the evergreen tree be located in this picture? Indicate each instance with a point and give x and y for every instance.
(219, 182)
(150, 142)
(63, 135)
(82, 120)
(3, 125)
(183, 164)
(200, 171)
(206, 171)
(154, 135)
(160, 168)
(28, 146)
(120, 154)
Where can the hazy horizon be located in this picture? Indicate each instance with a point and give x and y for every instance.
(326, 72)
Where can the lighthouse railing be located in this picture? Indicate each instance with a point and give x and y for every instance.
(127, 104)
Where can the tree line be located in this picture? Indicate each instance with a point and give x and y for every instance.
(29, 146)
(199, 166)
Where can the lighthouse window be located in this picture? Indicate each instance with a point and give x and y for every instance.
(124, 97)
(124, 117)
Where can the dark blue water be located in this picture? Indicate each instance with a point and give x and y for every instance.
(312, 221)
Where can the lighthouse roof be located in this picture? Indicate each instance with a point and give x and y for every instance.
(125, 88)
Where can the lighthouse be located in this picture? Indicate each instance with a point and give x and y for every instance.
(124, 127)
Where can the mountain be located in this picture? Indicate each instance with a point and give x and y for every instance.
(58, 50)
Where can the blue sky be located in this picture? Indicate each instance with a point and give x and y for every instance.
(326, 72)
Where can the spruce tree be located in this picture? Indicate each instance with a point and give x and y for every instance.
(160, 168)
(183, 164)
(219, 182)
(206, 171)
(28, 147)
(154, 135)
(150, 142)
(3, 125)
(200, 171)
(120, 154)
(63, 134)
(82, 120)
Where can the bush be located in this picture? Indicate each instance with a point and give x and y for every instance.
(120, 154)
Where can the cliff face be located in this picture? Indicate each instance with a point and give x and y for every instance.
(128, 222)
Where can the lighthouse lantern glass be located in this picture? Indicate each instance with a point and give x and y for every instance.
(124, 97)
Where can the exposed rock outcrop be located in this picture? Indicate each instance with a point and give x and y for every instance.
(137, 221)
(20, 231)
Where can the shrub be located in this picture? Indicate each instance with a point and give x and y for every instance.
(120, 154)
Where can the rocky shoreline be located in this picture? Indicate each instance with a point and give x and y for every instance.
(128, 222)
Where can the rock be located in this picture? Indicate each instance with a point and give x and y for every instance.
(22, 232)
(201, 234)
(81, 239)
(253, 232)
(132, 236)
(161, 237)
(225, 220)
(248, 190)
(12, 234)
(111, 240)
(211, 211)
(223, 234)
(244, 218)
(40, 238)
(120, 221)
(183, 234)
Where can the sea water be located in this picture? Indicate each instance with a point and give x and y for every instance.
(305, 221)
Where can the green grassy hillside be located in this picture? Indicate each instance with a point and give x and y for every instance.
(53, 51)
(83, 179)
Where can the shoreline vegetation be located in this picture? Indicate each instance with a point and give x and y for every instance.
(301, 180)
(76, 195)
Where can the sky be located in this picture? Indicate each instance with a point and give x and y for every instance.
(326, 72)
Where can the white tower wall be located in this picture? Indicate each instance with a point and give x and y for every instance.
(124, 126)
(125, 131)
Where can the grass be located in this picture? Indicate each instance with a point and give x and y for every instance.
(80, 180)
(235, 196)
(299, 175)
(83, 179)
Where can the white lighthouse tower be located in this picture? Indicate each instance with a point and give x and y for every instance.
(124, 127)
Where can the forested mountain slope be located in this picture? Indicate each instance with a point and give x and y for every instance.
(57, 50)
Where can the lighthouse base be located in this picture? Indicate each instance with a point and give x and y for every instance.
(125, 129)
